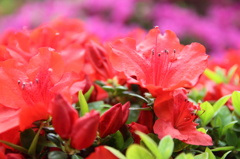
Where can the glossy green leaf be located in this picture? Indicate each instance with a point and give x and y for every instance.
(76, 157)
(206, 113)
(225, 148)
(166, 146)
(117, 140)
(185, 156)
(227, 127)
(225, 155)
(57, 155)
(210, 154)
(231, 138)
(26, 138)
(138, 152)
(83, 104)
(236, 101)
(179, 145)
(115, 152)
(231, 72)
(54, 138)
(33, 146)
(213, 76)
(201, 156)
(151, 145)
(136, 95)
(218, 104)
(225, 115)
(16, 147)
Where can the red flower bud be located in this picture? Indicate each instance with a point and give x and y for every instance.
(63, 116)
(84, 130)
(113, 119)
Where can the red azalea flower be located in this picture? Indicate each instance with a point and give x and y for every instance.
(159, 61)
(101, 152)
(66, 36)
(112, 120)
(29, 89)
(98, 62)
(176, 118)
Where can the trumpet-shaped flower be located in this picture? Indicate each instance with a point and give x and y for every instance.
(176, 118)
(159, 62)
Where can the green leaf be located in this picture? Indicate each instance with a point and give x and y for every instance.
(213, 76)
(166, 146)
(33, 146)
(206, 113)
(185, 156)
(201, 156)
(115, 152)
(179, 145)
(83, 104)
(109, 89)
(236, 101)
(88, 93)
(138, 152)
(227, 127)
(225, 115)
(53, 137)
(26, 138)
(231, 72)
(225, 155)
(151, 145)
(210, 154)
(231, 138)
(76, 157)
(57, 155)
(117, 140)
(136, 95)
(218, 104)
(225, 148)
(16, 147)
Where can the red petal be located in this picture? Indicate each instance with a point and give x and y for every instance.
(125, 58)
(197, 138)
(164, 128)
(137, 127)
(9, 89)
(84, 130)
(125, 112)
(30, 114)
(146, 118)
(8, 118)
(43, 63)
(63, 116)
(101, 152)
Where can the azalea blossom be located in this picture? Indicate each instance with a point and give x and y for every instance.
(176, 117)
(159, 62)
(27, 90)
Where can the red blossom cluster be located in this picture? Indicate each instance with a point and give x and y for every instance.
(43, 69)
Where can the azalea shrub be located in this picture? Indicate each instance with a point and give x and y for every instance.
(65, 93)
